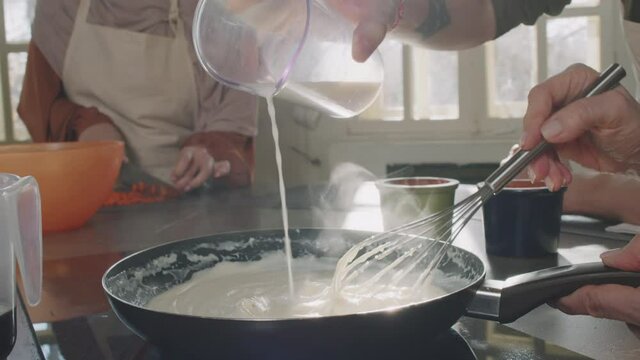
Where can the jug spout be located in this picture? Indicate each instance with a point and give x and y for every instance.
(21, 230)
(299, 50)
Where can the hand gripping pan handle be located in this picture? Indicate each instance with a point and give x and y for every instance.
(506, 301)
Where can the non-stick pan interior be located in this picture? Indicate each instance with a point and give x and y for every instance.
(138, 278)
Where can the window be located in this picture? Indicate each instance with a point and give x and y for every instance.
(482, 92)
(15, 34)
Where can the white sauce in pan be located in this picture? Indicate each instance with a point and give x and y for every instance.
(260, 290)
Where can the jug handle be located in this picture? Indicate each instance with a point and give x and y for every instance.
(25, 210)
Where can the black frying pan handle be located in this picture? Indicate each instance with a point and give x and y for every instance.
(526, 292)
(506, 301)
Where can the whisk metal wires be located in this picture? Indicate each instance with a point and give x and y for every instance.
(407, 255)
(394, 254)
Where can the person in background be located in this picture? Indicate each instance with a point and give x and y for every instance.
(601, 133)
(127, 70)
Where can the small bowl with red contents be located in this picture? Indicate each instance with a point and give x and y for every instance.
(523, 220)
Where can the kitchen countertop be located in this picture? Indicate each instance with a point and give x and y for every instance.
(74, 262)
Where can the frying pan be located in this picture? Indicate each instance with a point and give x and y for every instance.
(133, 281)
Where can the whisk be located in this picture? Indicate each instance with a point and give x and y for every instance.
(418, 247)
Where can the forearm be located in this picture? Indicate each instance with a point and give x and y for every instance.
(463, 24)
(448, 24)
(610, 196)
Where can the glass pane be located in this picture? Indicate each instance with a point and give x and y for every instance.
(18, 15)
(390, 104)
(573, 40)
(17, 64)
(513, 71)
(435, 85)
(584, 3)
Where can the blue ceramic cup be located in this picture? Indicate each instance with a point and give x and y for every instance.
(523, 220)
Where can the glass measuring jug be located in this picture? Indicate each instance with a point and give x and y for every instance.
(21, 238)
(297, 49)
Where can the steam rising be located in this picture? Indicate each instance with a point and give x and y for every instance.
(352, 201)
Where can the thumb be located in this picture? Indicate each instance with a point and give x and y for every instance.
(581, 116)
(552, 94)
(366, 39)
(606, 301)
(626, 258)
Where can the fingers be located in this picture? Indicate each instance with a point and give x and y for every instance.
(539, 168)
(195, 167)
(626, 258)
(199, 163)
(523, 175)
(581, 116)
(599, 132)
(184, 162)
(367, 36)
(550, 95)
(606, 301)
(566, 174)
(548, 168)
(221, 168)
(373, 19)
(183, 182)
(204, 171)
(554, 179)
(609, 301)
(600, 116)
(210, 169)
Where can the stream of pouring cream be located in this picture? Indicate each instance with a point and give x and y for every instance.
(283, 195)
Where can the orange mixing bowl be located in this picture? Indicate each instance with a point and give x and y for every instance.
(74, 178)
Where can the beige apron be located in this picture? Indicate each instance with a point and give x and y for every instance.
(144, 83)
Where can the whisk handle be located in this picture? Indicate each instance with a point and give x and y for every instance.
(608, 80)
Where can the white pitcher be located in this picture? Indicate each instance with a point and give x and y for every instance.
(20, 236)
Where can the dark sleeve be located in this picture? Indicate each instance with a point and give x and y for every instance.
(631, 10)
(511, 13)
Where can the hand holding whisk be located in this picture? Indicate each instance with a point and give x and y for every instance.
(406, 255)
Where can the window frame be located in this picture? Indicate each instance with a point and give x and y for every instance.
(474, 120)
(6, 49)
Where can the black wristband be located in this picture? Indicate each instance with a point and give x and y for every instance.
(437, 19)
